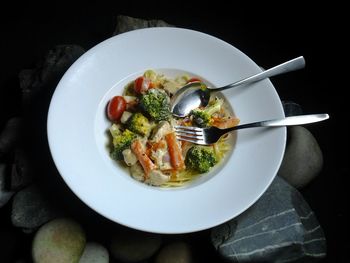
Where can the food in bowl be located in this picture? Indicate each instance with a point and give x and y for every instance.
(143, 137)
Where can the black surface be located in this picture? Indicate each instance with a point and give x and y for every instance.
(268, 35)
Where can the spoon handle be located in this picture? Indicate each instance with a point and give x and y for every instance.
(291, 65)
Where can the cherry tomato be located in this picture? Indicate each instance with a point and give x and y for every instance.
(193, 80)
(142, 84)
(115, 108)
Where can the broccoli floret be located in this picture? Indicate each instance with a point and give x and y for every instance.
(121, 142)
(139, 124)
(200, 158)
(156, 104)
(203, 117)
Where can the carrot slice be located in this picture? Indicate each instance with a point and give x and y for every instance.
(176, 158)
(141, 155)
(224, 123)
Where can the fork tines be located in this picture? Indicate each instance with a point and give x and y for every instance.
(189, 134)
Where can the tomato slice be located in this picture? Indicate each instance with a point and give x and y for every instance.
(193, 80)
(142, 84)
(115, 108)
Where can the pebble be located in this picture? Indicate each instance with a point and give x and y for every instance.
(94, 253)
(303, 159)
(5, 194)
(30, 208)
(176, 252)
(132, 246)
(279, 227)
(127, 23)
(61, 240)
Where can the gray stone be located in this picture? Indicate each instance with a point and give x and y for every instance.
(30, 208)
(279, 227)
(133, 246)
(48, 71)
(303, 159)
(94, 253)
(291, 108)
(61, 240)
(20, 176)
(127, 23)
(10, 135)
(5, 195)
(177, 252)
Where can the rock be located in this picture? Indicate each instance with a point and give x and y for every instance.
(94, 253)
(20, 176)
(177, 252)
(133, 246)
(127, 23)
(291, 108)
(61, 240)
(10, 135)
(30, 208)
(5, 195)
(303, 159)
(49, 70)
(279, 227)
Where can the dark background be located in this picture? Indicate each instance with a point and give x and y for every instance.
(267, 34)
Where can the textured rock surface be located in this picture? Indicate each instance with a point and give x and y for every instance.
(20, 175)
(291, 108)
(94, 253)
(5, 195)
(61, 241)
(127, 23)
(30, 209)
(303, 159)
(280, 227)
(177, 252)
(49, 70)
(10, 135)
(133, 246)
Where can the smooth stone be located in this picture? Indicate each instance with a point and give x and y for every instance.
(30, 208)
(94, 253)
(127, 23)
(61, 240)
(291, 108)
(48, 71)
(279, 227)
(5, 195)
(303, 159)
(10, 135)
(176, 252)
(132, 246)
(21, 174)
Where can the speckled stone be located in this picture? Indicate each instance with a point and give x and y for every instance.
(279, 227)
(133, 246)
(94, 253)
(127, 23)
(176, 252)
(303, 159)
(61, 241)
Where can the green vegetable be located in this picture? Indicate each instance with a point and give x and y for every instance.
(121, 142)
(139, 124)
(156, 104)
(203, 117)
(200, 158)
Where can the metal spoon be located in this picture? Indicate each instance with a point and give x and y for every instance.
(193, 95)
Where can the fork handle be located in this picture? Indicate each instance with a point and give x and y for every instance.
(290, 65)
(288, 121)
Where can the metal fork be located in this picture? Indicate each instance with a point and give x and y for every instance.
(210, 135)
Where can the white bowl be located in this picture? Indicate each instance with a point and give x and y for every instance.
(77, 126)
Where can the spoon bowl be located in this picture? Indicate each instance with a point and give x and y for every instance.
(196, 94)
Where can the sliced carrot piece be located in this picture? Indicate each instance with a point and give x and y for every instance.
(176, 158)
(141, 155)
(224, 123)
